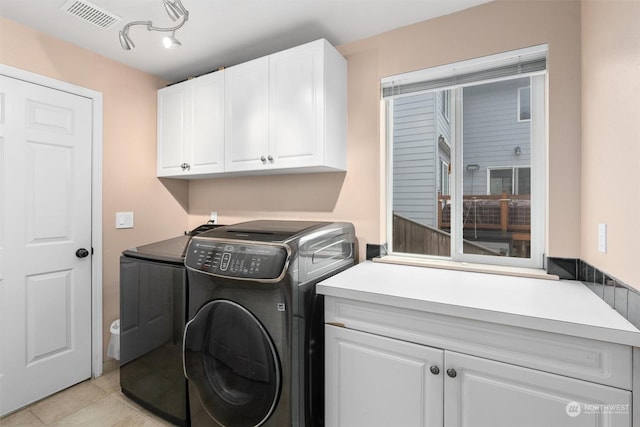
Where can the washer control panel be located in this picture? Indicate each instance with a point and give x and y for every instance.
(238, 260)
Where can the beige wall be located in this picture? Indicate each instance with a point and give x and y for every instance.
(161, 206)
(355, 196)
(611, 136)
(129, 141)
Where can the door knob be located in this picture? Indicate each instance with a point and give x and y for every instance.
(82, 253)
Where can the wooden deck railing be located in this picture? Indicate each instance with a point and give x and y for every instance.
(412, 237)
(490, 212)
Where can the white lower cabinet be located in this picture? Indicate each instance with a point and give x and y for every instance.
(372, 380)
(376, 381)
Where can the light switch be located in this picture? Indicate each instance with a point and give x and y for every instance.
(124, 219)
(214, 217)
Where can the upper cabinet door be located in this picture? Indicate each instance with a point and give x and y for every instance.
(171, 123)
(308, 108)
(206, 129)
(247, 116)
(191, 127)
(296, 101)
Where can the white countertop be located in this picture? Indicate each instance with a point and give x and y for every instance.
(563, 306)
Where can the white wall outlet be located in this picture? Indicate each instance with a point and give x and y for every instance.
(602, 238)
(124, 219)
(214, 217)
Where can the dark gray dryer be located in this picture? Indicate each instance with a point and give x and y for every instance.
(153, 299)
(254, 344)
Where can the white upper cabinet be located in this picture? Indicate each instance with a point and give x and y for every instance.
(191, 127)
(282, 113)
(287, 112)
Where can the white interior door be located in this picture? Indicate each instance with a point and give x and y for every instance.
(45, 217)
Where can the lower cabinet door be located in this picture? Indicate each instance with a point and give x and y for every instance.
(480, 393)
(375, 381)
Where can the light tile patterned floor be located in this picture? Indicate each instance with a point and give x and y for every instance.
(93, 403)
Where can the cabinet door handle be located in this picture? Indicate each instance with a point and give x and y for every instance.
(185, 166)
(434, 370)
(452, 372)
(263, 159)
(270, 157)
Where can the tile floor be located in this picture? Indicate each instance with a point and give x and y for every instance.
(93, 403)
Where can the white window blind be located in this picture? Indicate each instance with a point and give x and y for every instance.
(522, 62)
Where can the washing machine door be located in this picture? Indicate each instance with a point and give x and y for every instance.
(232, 363)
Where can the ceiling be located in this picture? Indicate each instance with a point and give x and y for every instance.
(222, 33)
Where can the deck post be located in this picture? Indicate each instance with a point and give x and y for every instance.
(504, 212)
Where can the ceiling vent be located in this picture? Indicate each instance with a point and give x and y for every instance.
(91, 13)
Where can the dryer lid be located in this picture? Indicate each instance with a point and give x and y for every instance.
(170, 250)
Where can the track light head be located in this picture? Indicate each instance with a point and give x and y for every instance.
(125, 41)
(173, 10)
(171, 41)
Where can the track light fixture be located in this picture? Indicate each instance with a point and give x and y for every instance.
(176, 12)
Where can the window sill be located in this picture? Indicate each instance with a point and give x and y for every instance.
(533, 273)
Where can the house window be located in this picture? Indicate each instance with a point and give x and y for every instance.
(444, 178)
(446, 104)
(515, 180)
(524, 104)
(479, 197)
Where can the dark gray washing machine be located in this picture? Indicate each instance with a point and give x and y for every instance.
(153, 298)
(254, 343)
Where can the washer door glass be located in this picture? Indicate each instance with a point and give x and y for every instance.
(231, 361)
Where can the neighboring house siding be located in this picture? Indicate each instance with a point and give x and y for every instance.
(414, 158)
(491, 131)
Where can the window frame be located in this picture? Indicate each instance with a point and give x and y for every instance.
(519, 117)
(514, 177)
(538, 167)
(444, 173)
(446, 105)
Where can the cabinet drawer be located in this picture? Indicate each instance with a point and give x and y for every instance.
(590, 360)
